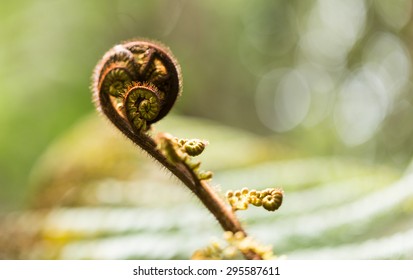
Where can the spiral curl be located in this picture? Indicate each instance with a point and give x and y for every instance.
(270, 199)
(139, 81)
(192, 147)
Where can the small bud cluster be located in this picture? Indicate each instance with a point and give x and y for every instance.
(192, 147)
(237, 244)
(182, 150)
(270, 198)
(170, 148)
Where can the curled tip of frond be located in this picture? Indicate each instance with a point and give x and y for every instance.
(270, 199)
(193, 147)
(181, 151)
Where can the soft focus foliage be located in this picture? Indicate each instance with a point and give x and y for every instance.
(325, 83)
(109, 201)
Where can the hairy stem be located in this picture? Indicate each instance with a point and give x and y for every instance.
(206, 194)
(135, 85)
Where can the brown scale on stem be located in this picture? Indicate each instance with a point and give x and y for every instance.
(135, 84)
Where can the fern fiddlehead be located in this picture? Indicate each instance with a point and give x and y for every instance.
(137, 81)
(135, 84)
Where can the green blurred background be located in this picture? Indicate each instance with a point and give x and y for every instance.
(328, 77)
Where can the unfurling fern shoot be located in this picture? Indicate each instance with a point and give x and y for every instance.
(136, 84)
